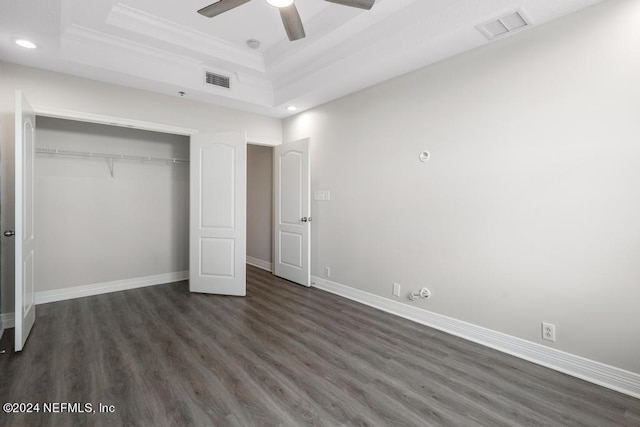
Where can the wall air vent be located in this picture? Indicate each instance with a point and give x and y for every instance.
(504, 25)
(217, 80)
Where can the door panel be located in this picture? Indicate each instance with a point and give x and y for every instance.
(217, 257)
(292, 212)
(291, 198)
(217, 238)
(25, 135)
(218, 195)
(291, 249)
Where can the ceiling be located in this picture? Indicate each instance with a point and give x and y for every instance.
(165, 46)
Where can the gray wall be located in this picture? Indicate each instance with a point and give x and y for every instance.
(93, 228)
(259, 202)
(528, 210)
(54, 90)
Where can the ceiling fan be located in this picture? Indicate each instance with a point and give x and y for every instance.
(288, 12)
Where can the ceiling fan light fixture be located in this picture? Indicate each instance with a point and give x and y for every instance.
(280, 3)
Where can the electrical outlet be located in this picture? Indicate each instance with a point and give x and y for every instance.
(327, 271)
(396, 289)
(549, 331)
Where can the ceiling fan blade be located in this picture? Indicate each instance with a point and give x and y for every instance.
(362, 4)
(220, 6)
(292, 22)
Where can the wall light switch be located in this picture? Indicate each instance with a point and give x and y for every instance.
(321, 195)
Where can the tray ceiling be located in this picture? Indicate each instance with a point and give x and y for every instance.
(165, 46)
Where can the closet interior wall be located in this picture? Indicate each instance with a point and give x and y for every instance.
(259, 204)
(95, 228)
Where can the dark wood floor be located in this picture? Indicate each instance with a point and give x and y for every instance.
(283, 356)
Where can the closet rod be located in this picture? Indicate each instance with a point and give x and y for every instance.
(109, 156)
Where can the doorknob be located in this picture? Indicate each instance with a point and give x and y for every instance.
(305, 219)
(9, 233)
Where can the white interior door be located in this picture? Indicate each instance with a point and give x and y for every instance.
(25, 134)
(292, 212)
(218, 213)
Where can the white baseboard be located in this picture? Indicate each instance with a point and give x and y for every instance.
(589, 370)
(107, 287)
(8, 320)
(260, 263)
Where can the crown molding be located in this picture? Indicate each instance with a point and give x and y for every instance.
(110, 53)
(137, 21)
(92, 37)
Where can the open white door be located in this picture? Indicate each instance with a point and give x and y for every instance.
(292, 212)
(218, 204)
(25, 134)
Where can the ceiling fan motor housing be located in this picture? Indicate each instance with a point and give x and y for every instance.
(288, 12)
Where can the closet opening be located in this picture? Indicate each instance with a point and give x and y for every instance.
(112, 207)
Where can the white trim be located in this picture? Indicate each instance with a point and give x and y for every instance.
(617, 379)
(140, 22)
(262, 141)
(8, 320)
(259, 263)
(89, 37)
(44, 297)
(60, 113)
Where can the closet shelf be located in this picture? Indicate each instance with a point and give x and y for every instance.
(110, 157)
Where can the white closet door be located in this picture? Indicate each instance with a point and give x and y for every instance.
(292, 212)
(218, 203)
(25, 135)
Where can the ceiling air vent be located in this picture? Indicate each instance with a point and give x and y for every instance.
(505, 24)
(217, 79)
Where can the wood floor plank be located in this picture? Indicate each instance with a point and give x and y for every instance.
(284, 355)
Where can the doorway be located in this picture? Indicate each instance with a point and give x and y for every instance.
(260, 206)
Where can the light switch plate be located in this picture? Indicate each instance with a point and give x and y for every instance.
(322, 195)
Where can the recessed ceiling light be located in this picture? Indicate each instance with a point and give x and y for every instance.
(25, 43)
(280, 3)
(292, 108)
